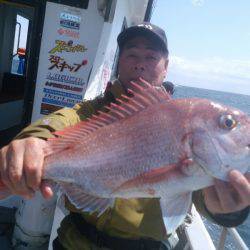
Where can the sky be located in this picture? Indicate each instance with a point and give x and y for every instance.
(209, 42)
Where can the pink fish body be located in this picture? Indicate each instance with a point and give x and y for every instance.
(150, 146)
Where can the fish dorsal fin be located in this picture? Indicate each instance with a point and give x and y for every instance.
(140, 96)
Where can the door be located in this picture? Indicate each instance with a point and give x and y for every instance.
(19, 45)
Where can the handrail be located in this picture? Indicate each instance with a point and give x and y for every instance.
(198, 237)
(222, 240)
(196, 233)
(241, 245)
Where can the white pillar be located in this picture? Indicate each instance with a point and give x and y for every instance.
(34, 220)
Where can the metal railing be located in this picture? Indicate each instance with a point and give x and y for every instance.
(197, 236)
(238, 241)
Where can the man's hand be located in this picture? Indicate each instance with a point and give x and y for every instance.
(228, 197)
(21, 166)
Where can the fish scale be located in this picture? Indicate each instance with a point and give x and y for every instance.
(115, 159)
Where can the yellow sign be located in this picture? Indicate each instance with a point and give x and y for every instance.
(68, 47)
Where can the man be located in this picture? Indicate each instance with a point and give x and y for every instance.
(130, 224)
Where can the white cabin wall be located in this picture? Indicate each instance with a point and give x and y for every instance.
(90, 32)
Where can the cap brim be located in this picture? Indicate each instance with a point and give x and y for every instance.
(132, 32)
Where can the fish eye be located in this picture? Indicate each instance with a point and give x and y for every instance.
(227, 122)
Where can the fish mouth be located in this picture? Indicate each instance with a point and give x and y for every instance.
(196, 157)
(202, 164)
(223, 168)
(205, 166)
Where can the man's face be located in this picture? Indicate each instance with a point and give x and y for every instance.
(140, 58)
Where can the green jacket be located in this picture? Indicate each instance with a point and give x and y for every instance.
(128, 218)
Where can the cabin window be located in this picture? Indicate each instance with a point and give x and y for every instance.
(19, 49)
(75, 3)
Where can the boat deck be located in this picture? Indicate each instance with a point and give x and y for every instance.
(192, 234)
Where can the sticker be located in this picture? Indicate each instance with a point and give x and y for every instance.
(67, 46)
(61, 64)
(63, 86)
(62, 93)
(59, 101)
(70, 17)
(66, 32)
(71, 21)
(47, 109)
(65, 79)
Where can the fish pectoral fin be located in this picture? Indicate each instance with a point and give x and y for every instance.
(150, 177)
(83, 201)
(174, 210)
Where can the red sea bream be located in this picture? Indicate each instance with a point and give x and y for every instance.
(149, 145)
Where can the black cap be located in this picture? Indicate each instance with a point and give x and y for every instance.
(144, 29)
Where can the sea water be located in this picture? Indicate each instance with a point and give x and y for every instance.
(238, 101)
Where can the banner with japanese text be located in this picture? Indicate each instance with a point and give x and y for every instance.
(65, 59)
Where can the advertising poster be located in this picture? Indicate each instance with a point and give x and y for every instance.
(65, 60)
